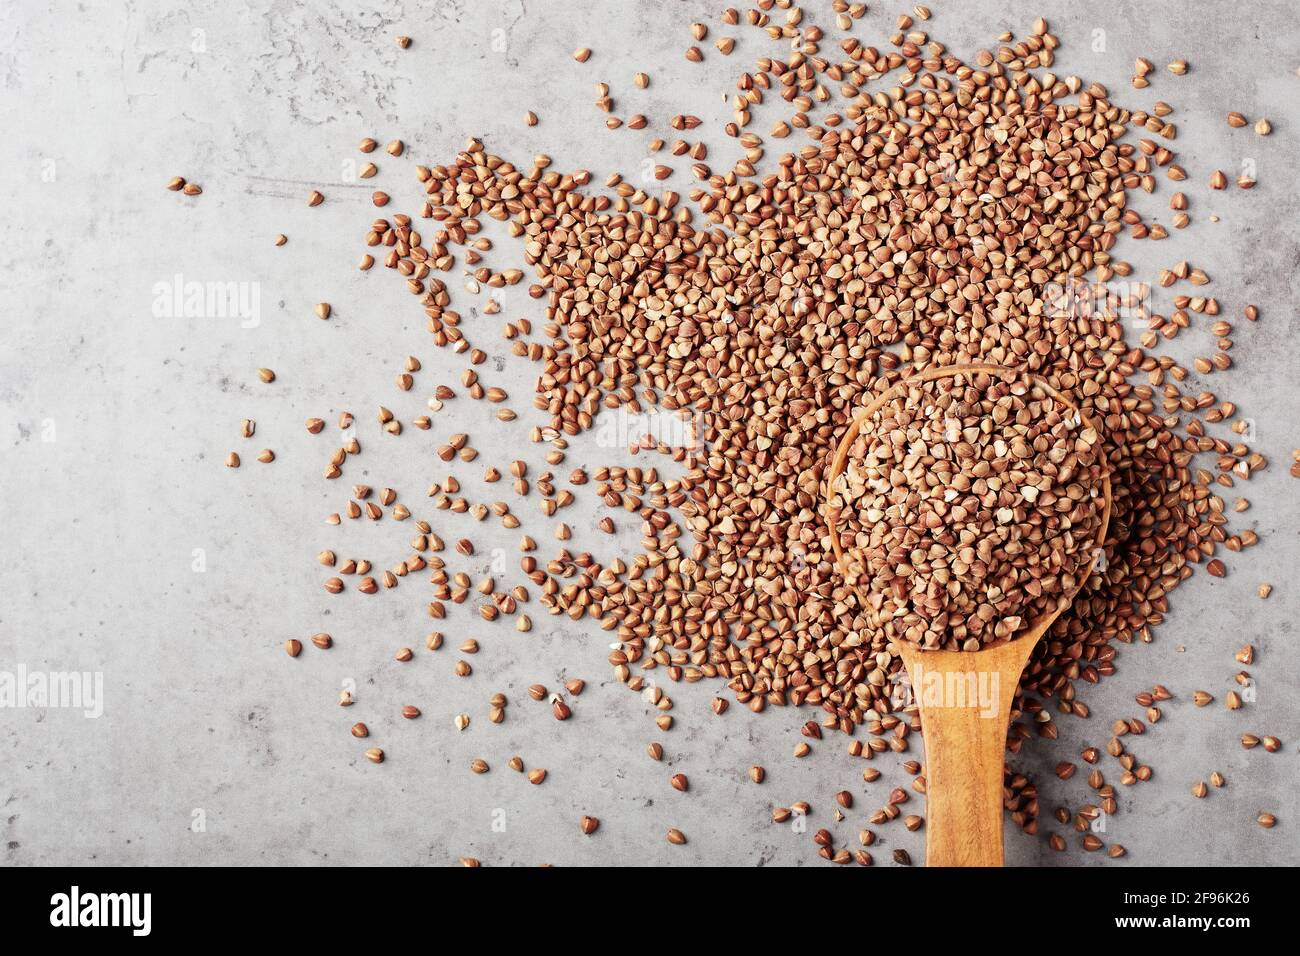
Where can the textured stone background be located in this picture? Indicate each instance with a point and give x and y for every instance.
(114, 422)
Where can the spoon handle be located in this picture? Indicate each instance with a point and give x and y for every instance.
(965, 703)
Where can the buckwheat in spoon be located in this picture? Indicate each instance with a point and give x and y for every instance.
(968, 506)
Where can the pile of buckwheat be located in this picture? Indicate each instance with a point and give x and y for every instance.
(968, 505)
(935, 212)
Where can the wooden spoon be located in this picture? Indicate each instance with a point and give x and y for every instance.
(965, 745)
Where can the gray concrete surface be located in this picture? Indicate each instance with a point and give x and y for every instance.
(132, 552)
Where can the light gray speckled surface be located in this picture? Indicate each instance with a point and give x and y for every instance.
(114, 422)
